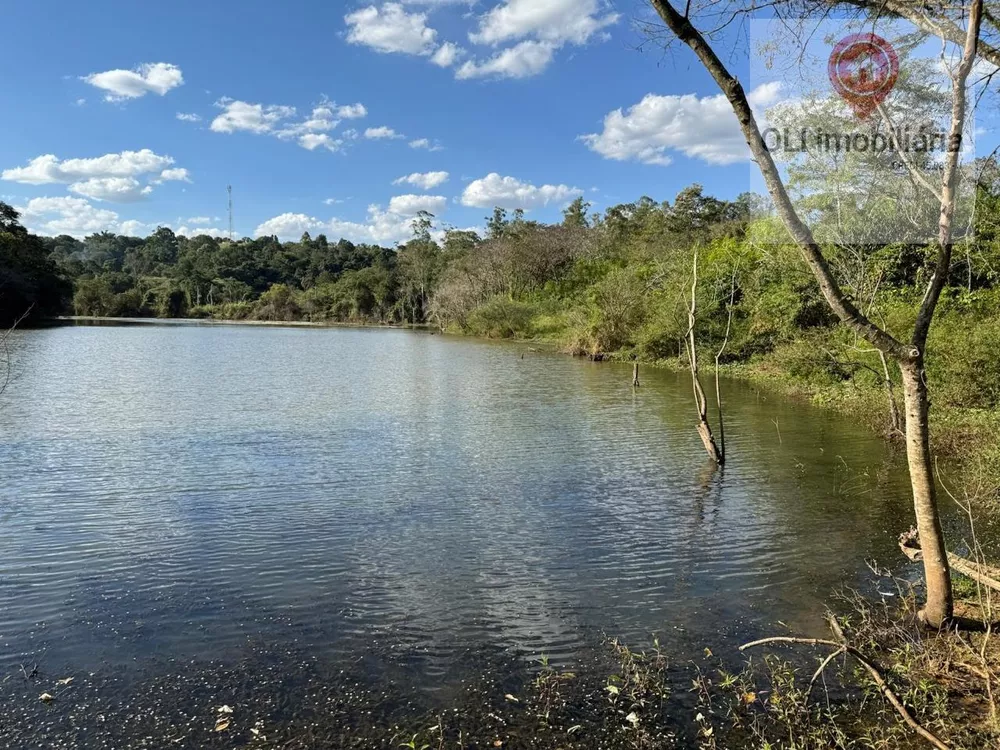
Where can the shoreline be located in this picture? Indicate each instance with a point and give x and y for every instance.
(231, 322)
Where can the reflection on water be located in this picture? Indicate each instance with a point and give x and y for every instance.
(180, 492)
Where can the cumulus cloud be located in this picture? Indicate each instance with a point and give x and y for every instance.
(253, 118)
(424, 143)
(556, 21)
(509, 192)
(383, 226)
(381, 133)
(47, 169)
(411, 205)
(112, 177)
(196, 230)
(447, 54)
(157, 78)
(352, 111)
(424, 180)
(313, 141)
(178, 174)
(288, 226)
(540, 27)
(78, 217)
(698, 127)
(391, 29)
(66, 215)
(116, 189)
(311, 132)
(188, 117)
(523, 60)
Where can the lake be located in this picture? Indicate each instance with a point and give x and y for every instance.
(209, 496)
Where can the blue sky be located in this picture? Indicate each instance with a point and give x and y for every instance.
(499, 94)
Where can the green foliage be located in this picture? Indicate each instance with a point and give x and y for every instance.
(501, 318)
(30, 282)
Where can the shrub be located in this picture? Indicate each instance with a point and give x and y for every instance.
(501, 318)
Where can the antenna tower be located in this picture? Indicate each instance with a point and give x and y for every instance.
(229, 189)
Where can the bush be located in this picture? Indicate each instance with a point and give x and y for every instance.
(501, 318)
(963, 361)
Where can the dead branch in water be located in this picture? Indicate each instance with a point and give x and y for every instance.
(701, 403)
(5, 347)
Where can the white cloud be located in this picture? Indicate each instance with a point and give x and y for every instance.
(321, 119)
(112, 177)
(509, 192)
(66, 215)
(703, 128)
(555, 21)
(332, 201)
(157, 78)
(447, 54)
(48, 169)
(79, 218)
(410, 205)
(542, 26)
(254, 118)
(179, 174)
(313, 141)
(424, 143)
(381, 133)
(276, 120)
(520, 61)
(391, 29)
(288, 226)
(352, 111)
(117, 189)
(424, 180)
(188, 117)
(135, 228)
(381, 226)
(196, 230)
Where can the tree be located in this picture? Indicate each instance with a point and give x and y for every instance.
(575, 214)
(910, 356)
(30, 283)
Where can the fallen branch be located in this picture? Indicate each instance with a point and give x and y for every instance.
(909, 543)
(842, 646)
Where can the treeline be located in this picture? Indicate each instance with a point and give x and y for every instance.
(610, 284)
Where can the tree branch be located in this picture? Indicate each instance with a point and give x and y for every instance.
(733, 90)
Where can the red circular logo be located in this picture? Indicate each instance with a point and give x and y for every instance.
(863, 69)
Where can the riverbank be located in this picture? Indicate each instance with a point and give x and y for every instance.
(97, 319)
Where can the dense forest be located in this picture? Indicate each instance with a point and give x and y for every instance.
(612, 284)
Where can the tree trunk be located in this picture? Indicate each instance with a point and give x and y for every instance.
(635, 375)
(938, 608)
(700, 402)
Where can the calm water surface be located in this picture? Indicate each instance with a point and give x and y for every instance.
(179, 492)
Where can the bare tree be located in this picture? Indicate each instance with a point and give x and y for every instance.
(700, 402)
(910, 355)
